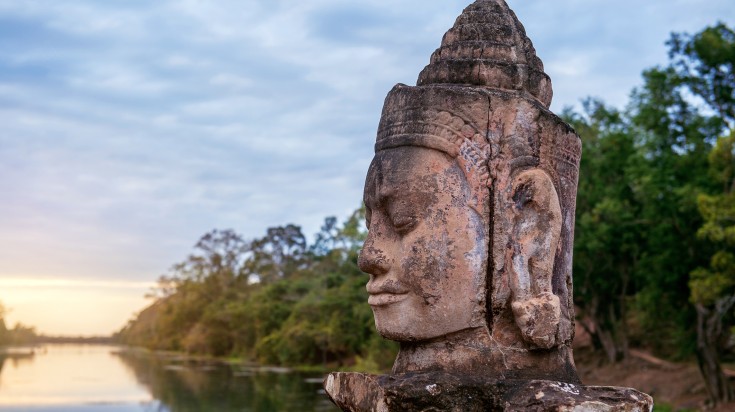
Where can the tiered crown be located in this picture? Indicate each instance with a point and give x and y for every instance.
(488, 47)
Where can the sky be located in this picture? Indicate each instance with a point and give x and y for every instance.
(129, 128)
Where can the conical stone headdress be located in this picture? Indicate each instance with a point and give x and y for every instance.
(488, 47)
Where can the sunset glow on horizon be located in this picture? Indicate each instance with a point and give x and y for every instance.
(72, 307)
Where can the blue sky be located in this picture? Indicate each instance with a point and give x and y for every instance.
(130, 128)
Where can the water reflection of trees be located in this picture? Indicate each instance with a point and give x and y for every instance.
(15, 358)
(185, 385)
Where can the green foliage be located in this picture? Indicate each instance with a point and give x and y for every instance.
(717, 280)
(665, 407)
(677, 134)
(709, 285)
(608, 231)
(649, 216)
(683, 184)
(706, 62)
(675, 139)
(275, 299)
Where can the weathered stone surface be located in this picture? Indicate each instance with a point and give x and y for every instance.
(537, 396)
(470, 203)
(488, 47)
(438, 391)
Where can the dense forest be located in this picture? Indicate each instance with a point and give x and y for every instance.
(654, 260)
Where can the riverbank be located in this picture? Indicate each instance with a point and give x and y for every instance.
(675, 386)
(182, 357)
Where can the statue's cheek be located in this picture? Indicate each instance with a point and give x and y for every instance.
(425, 264)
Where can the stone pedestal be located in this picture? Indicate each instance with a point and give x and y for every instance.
(438, 391)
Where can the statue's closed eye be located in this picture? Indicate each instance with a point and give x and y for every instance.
(404, 224)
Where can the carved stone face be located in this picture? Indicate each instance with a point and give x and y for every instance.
(425, 248)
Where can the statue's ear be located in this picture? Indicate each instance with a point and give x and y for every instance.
(537, 223)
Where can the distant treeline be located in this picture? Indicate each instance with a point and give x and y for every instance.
(74, 339)
(654, 256)
(18, 335)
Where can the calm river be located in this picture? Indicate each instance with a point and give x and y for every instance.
(86, 378)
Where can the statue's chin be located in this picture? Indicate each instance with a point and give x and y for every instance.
(401, 330)
(394, 335)
(396, 328)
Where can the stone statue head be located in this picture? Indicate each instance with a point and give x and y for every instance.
(470, 207)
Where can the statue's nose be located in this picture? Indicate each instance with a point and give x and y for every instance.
(372, 259)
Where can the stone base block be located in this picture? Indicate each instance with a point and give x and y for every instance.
(437, 391)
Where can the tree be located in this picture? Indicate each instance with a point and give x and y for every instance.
(22, 334)
(705, 65)
(182, 316)
(713, 287)
(607, 232)
(674, 139)
(279, 254)
(638, 217)
(4, 334)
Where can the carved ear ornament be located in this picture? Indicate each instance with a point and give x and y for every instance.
(473, 159)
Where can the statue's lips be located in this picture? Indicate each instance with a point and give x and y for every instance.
(384, 299)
